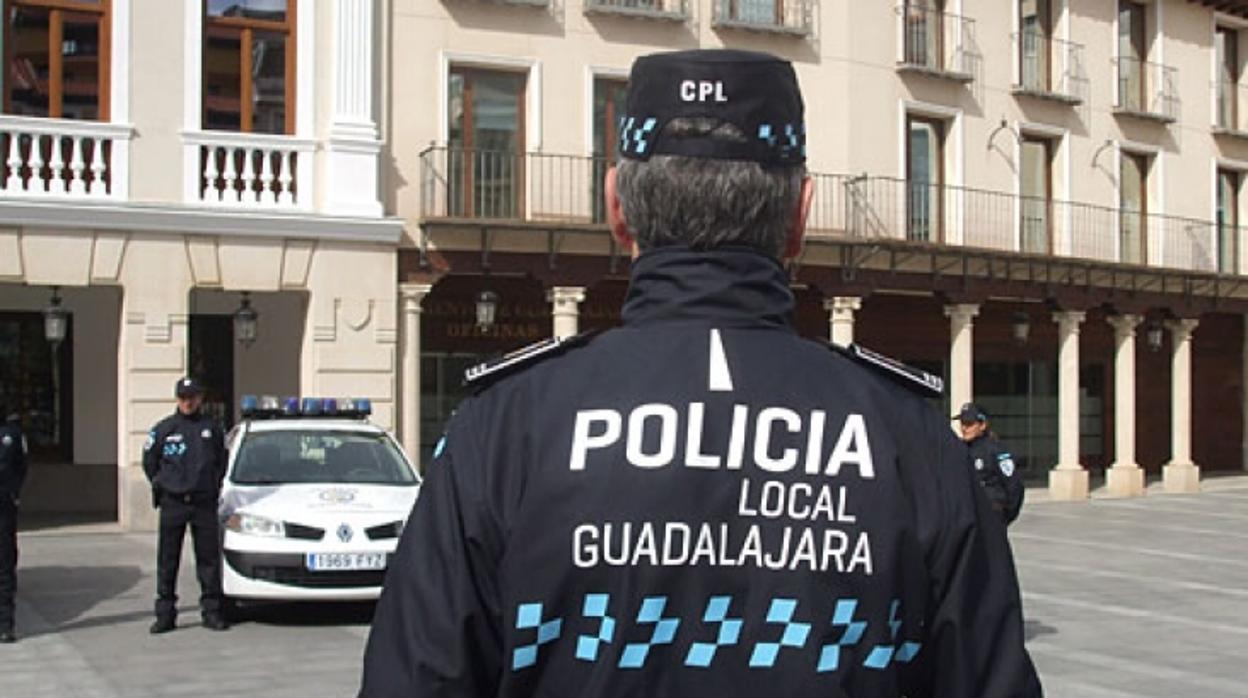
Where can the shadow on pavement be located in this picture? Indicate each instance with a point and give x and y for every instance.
(1033, 629)
(62, 595)
(307, 613)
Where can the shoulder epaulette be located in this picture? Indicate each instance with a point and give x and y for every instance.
(909, 376)
(489, 371)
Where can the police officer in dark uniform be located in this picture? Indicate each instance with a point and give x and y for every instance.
(994, 465)
(701, 502)
(184, 459)
(12, 475)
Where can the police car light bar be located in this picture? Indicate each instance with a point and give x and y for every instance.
(270, 407)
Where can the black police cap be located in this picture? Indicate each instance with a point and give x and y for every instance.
(971, 412)
(187, 386)
(756, 92)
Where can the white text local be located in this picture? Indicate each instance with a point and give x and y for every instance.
(782, 439)
(702, 91)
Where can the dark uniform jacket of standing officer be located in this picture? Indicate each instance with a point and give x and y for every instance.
(998, 475)
(699, 503)
(185, 454)
(12, 459)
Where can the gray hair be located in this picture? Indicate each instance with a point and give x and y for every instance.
(705, 203)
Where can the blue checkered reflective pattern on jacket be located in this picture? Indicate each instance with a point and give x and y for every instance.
(701, 654)
(783, 628)
(635, 654)
(528, 616)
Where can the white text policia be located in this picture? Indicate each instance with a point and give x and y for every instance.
(599, 429)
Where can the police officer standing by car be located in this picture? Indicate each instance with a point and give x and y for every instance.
(701, 502)
(185, 461)
(12, 475)
(994, 465)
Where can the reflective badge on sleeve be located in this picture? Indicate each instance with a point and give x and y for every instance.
(1006, 462)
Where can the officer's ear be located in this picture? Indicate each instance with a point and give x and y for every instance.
(797, 233)
(615, 215)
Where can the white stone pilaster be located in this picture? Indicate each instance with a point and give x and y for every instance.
(841, 310)
(1244, 382)
(1181, 475)
(961, 352)
(351, 157)
(411, 296)
(1068, 480)
(565, 309)
(1125, 478)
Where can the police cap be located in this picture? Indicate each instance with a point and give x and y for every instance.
(971, 413)
(187, 387)
(756, 92)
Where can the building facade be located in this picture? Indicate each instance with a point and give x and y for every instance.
(1037, 199)
(166, 164)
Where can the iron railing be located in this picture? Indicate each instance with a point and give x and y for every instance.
(537, 187)
(1147, 89)
(656, 9)
(936, 41)
(784, 16)
(1051, 67)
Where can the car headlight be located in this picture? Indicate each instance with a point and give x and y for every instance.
(253, 525)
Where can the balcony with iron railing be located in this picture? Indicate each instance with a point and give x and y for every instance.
(778, 16)
(460, 186)
(1146, 90)
(64, 159)
(936, 43)
(1050, 68)
(672, 10)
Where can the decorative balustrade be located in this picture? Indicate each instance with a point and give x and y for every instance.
(458, 184)
(1146, 89)
(1050, 68)
(936, 42)
(62, 158)
(249, 170)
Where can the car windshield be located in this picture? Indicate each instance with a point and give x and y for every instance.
(318, 457)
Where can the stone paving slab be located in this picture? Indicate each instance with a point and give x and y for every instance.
(1145, 598)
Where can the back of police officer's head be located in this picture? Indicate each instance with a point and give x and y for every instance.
(712, 153)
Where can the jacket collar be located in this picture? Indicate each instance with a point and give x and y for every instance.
(727, 287)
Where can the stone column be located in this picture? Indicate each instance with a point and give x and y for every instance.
(1244, 381)
(352, 151)
(1069, 480)
(411, 296)
(151, 356)
(841, 311)
(961, 353)
(565, 302)
(1181, 474)
(1125, 477)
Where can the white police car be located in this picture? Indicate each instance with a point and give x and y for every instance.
(313, 502)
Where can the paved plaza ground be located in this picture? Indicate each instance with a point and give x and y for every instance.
(1140, 598)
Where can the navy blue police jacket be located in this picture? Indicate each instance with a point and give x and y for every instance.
(12, 459)
(699, 503)
(998, 474)
(185, 454)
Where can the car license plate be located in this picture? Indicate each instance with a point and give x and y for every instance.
(334, 562)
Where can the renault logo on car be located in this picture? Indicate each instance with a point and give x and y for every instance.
(344, 533)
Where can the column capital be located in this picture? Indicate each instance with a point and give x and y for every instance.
(412, 295)
(1182, 328)
(1070, 317)
(1124, 325)
(840, 304)
(962, 311)
(562, 295)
